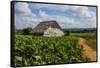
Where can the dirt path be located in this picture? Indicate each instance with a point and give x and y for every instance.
(88, 51)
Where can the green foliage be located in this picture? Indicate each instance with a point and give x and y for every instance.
(39, 50)
(18, 31)
(27, 31)
(66, 33)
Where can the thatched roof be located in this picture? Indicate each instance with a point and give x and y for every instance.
(43, 26)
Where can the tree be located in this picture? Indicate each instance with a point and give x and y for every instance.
(18, 31)
(67, 33)
(27, 31)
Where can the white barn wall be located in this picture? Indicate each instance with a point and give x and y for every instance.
(53, 32)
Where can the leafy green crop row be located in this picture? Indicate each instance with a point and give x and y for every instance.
(39, 50)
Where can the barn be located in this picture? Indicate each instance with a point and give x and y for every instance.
(48, 28)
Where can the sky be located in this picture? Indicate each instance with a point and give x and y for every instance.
(67, 16)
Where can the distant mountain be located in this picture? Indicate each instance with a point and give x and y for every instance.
(80, 30)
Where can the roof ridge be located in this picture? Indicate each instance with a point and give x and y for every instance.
(48, 21)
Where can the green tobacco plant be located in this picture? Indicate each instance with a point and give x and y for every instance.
(39, 50)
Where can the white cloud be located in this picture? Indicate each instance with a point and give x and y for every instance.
(42, 14)
(86, 16)
(32, 21)
(26, 18)
(81, 11)
(24, 21)
(22, 8)
(62, 20)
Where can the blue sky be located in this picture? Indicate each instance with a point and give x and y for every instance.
(67, 16)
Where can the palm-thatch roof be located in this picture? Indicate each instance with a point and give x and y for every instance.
(43, 26)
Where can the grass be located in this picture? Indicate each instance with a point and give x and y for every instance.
(90, 38)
